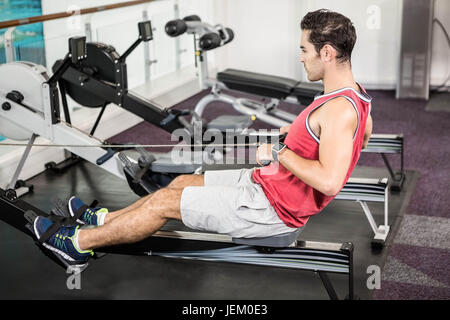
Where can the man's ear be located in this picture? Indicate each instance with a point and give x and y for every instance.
(327, 53)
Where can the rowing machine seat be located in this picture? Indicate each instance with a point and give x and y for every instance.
(279, 241)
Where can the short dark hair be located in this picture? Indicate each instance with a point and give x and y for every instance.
(328, 27)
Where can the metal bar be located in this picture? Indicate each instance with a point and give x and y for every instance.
(88, 31)
(385, 136)
(386, 162)
(60, 15)
(369, 217)
(350, 274)
(386, 205)
(176, 15)
(328, 286)
(147, 63)
(22, 162)
(9, 45)
(97, 121)
(62, 89)
(130, 50)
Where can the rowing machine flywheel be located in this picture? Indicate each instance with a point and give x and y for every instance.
(99, 64)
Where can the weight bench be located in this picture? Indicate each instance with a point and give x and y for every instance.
(269, 86)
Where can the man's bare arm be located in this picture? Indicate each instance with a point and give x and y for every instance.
(368, 131)
(335, 151)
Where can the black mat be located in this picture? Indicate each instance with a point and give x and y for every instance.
(27, 274)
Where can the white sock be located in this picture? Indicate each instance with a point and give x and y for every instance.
(75, 241)
(101, 215)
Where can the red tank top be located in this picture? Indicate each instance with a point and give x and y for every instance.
(293, 200)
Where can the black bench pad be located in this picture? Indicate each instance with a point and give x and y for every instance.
(257, 83)
(306, 91)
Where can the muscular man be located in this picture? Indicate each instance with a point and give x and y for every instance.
(320, 152)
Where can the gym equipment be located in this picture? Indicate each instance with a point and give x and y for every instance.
(207, 37)
(101, 79)
(282, 251)
(30, 108)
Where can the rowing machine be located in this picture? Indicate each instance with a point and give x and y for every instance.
(174, 241)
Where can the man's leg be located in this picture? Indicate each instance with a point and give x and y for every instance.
(179, 182)
(138, 224)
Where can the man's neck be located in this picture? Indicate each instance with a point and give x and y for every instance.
(338, 78)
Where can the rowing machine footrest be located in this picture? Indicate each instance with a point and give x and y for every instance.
(279, 241)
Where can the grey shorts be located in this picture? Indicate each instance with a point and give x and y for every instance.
(231, 203)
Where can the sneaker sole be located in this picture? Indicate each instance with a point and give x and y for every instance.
(64, 255)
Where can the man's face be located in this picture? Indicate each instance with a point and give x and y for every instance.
(310, 58)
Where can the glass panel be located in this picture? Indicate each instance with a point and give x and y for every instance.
(23, 35)
(29, 45)
(162, 47)
(2, 48)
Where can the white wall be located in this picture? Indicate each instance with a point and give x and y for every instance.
(267, 36)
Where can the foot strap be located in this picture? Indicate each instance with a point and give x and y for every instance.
(80, 212)
(58, 222)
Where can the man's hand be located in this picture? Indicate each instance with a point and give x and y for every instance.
(368, 131)
(264, 153)
(285, 129)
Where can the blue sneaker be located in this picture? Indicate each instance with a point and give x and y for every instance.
(92, 216)
(61, 243)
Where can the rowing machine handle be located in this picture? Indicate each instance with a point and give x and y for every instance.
(281, 138)
(265, 163)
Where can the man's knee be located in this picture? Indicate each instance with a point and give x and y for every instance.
(187, 180)
(165, 203)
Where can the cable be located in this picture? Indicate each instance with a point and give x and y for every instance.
(439, 23)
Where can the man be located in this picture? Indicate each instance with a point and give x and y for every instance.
(320, 152)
